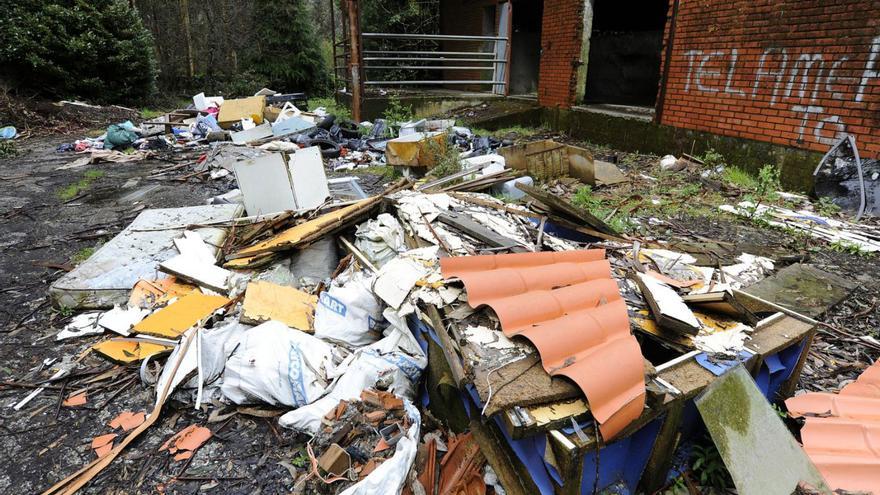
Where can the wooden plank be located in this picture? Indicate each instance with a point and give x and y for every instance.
(469, 226)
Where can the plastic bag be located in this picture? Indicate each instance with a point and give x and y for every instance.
(349, 313)
(395, 362)
(274, 364)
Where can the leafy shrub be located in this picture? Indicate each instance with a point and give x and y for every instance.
(97, 50)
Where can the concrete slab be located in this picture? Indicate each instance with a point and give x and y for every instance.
(758, 450)
(106, 278)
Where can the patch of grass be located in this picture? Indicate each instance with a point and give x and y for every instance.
(741, 178)
(150, 113)
(341, 112)
(95, 133)
(388, 172)
(588, 200)
(826, 207)
(8, 149)
(73, 190)
(83, 254)
(520, 131)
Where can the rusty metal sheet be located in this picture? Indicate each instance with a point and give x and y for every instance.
(841, 433)
(568, 306)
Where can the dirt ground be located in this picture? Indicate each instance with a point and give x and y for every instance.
(44, 234)
(42, 443)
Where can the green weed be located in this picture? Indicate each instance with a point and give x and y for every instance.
(712, 158)
(843, 246)
(73, 190)
(8, 149)
(65, 311)
(739, 177)
(826, 207)
(396, 112)
(709, 468)
(388, 172)
(445, 157)
(150, 113)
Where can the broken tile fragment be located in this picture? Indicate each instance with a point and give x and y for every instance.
(184, 443)
(75, 400)
(128, 420)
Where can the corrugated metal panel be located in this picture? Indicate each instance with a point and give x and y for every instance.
(568, 306)
(841, 433)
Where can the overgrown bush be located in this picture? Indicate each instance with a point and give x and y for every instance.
(289, 54)
(96, 50)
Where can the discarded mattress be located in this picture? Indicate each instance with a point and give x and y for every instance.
(107, 277)
(568, 306)
(841, 433)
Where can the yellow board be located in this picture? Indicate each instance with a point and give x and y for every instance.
(231, 111)
(264, 301)
(127, 351)
(177, 317)
(151, 293)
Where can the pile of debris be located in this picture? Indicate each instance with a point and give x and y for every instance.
(329, 303)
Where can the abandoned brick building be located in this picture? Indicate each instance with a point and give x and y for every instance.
(764, 80)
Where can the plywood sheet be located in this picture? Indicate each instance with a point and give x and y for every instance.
(177, 317)
(264, 301)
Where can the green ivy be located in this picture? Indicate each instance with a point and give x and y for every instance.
(98, 50)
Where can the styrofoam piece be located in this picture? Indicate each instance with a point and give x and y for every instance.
(192, 245)
(81, 325)
(256, 133)
(120, 320)
(198, 272)
(106, 278)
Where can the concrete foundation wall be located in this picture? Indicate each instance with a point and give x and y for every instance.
(629, 134)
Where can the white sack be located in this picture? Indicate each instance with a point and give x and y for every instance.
(396, 361)
(277, 365)
(349, 313)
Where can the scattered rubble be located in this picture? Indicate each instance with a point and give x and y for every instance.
(371, 324)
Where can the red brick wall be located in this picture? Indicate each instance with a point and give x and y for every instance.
(561, 38)
(792, 72)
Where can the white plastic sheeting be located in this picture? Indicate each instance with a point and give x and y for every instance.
(396, 362)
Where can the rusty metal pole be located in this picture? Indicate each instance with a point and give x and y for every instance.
(355, 59)
(333, 44)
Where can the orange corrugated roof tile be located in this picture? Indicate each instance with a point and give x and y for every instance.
(841, 433)
(568, 306)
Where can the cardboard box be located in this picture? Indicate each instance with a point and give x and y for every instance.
(233, 111)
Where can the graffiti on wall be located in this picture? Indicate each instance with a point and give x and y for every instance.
(782, 74)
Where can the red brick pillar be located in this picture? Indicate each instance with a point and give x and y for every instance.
(561, 39)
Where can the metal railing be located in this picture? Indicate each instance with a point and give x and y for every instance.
(475, 61)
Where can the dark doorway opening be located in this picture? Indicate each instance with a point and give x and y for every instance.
(625, 48)
(525, 46)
